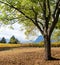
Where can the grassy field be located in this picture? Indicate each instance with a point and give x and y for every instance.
(41, 44)
(28, 56)
(9, 45)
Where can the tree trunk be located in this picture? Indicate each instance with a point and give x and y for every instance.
(47, 45)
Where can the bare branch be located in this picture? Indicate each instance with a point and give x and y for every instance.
(39, 28)
(54, 22)
(40, 23)
(49, 9)
(44, 9)
(54, 13)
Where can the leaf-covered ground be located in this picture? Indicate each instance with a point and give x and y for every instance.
(28, 56)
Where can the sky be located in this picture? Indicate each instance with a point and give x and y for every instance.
(7, 32)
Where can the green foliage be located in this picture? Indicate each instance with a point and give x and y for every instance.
(58, 25)
(13, 40)
(24, 6)
(56, 35)
(28, 8)
(3, 40)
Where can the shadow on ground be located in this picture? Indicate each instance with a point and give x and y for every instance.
(53, 58)
(6, 48)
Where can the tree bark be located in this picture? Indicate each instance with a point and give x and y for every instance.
(47, 45)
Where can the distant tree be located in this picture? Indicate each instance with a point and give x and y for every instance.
(13, 40)
(3, 40)
(17, 41)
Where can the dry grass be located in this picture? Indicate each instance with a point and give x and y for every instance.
(28, 56)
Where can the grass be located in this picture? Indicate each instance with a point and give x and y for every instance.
(41, 44)
(9, 45)
(28, 56)
(55, 44)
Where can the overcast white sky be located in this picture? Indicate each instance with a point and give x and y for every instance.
(7, 32)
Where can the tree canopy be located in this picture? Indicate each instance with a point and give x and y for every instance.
(26, 12)
(13, 40)
(3, 40)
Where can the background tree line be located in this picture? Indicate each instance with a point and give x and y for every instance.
(13, 40)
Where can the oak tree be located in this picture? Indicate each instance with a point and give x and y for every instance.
(44, 14)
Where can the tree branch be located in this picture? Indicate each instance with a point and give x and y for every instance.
(55, 17)
(36, 20)
(54, 22)
(24, 15)
(54, 13)
(37, 25)
(44, 9)
(18, 11)
(49, 9)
